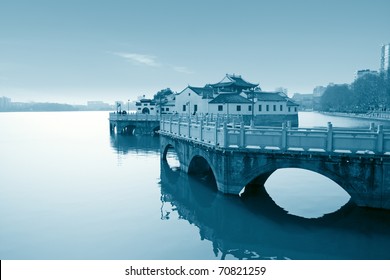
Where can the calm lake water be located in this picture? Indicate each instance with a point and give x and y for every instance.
(70, 190)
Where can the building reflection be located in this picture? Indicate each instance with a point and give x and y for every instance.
(254, 227)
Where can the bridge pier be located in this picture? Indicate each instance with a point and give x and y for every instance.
(365, 177)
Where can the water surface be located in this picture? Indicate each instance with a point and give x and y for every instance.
(70, 190)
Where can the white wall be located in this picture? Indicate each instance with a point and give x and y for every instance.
(188, 95)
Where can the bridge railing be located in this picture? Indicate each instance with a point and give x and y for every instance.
(133, 117)
(325, 139)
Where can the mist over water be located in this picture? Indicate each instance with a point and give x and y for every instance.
(70, 190)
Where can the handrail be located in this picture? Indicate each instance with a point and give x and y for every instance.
(320, 139)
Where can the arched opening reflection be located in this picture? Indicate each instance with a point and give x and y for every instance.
(305, 193)
(170, 155)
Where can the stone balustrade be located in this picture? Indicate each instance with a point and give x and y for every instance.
(238, 136)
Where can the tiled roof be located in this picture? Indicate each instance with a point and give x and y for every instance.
(205, 92)
(291, 103)
(237, 81)
(229, 98)
(269, 96)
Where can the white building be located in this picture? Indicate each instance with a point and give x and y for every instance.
(193, 100)
(146, 106)
(231, 96)
(385, 58)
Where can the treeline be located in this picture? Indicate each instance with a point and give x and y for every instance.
(38, 107)
(369, 92)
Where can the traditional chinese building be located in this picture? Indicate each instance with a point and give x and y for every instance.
(234, 96)
(146, 106)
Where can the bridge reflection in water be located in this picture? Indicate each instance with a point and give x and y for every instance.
(254, 227)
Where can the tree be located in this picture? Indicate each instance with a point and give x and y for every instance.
(162, 94)
(369, 92)
(336, 98)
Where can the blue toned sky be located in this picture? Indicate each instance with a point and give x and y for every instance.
(77, 50)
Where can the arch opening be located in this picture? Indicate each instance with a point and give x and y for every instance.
(128, 130)
(156, 130)
(200, 169)
(171, 157)
(145, 111)
(301, 192)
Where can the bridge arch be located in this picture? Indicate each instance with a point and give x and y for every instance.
(170, 155)
(200, 167)
(258, 176)
(155, 130)
(128, 130)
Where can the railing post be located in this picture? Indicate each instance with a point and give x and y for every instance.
(216, 132)
(329, 142)
(379, 147)
(372, 126)
(201, 130)
(225, 135)
(178, 126)
(284, 136)
(242, 135)
(189, 128)
(170, 124)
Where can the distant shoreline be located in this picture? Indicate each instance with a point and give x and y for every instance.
(383, 116)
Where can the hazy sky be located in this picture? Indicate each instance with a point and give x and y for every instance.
(74, 50)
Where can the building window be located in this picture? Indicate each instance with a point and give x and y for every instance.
(267, 108)
(145, 104)
(153, 109)
(281, 107)
(139, 108)
(295, 109)
(250, 108)
(195, 108)
(289, 109)
(260, 108)
(220, 108)
(274, 108)
(238, 108)
(184, 108)
(166, 109)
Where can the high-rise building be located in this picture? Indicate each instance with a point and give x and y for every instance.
(385, 58)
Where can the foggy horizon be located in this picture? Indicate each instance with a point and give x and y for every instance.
(74, 51)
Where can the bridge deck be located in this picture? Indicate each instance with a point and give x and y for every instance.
(324, 140)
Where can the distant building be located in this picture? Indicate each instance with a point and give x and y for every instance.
(385, 58)
(5, 103)
(361, 73)
(319, 91)
(305, 101)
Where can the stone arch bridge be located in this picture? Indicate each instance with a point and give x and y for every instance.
(239, 156)
(134, 123)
